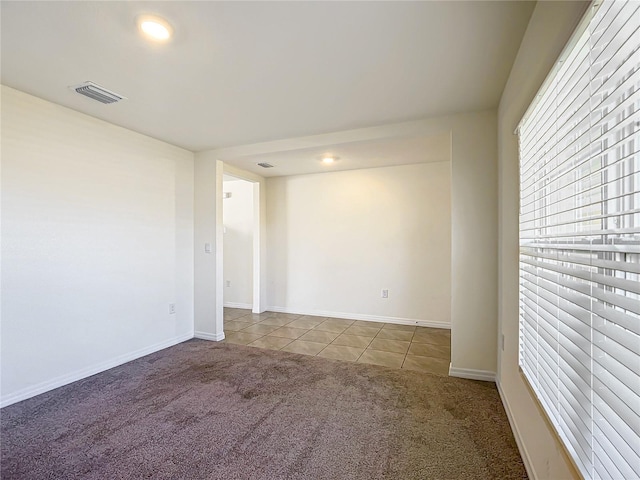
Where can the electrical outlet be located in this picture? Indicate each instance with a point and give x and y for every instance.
(385, 293)
(227, 283)
(172, 308)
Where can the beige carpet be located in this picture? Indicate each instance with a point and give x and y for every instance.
(202, 410)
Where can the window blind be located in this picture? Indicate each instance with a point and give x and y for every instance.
(579, 300)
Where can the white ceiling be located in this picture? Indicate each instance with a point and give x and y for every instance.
(237, 73)
(350, 156)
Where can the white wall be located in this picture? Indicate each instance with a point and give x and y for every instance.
(474, 252)
(97, 240)
(335, 240)
(550, 27)
(238, 244)
(206, 177)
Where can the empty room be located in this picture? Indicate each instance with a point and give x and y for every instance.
(320, 240)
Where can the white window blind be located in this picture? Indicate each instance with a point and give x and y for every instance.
(580, 245)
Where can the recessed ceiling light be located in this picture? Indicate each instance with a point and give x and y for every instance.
(329, 159)
(154, 27)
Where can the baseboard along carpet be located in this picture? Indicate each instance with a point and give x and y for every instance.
(203, 410)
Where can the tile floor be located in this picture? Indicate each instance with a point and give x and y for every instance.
(396, 346)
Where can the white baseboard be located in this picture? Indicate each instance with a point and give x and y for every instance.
(247, 306)
(360, 316)
(472, 374)
(209, 336)
(62, 380)
(526, 459)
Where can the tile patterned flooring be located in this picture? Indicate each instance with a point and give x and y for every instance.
(396, 346)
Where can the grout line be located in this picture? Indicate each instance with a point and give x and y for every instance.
(405, 358)
(365, 349)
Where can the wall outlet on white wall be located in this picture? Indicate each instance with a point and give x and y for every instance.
(172, 308)
(385, 293)
(227, 283)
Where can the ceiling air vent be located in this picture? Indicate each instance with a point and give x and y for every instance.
(96, 92)
(265, 165)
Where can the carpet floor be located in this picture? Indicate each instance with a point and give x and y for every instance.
(203, 410)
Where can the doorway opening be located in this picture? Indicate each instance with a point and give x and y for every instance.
(223, 273)
(238, 239)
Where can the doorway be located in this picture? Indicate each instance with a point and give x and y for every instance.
(238, 231)
(257, 302)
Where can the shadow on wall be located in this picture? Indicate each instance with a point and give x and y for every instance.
(277, 227)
